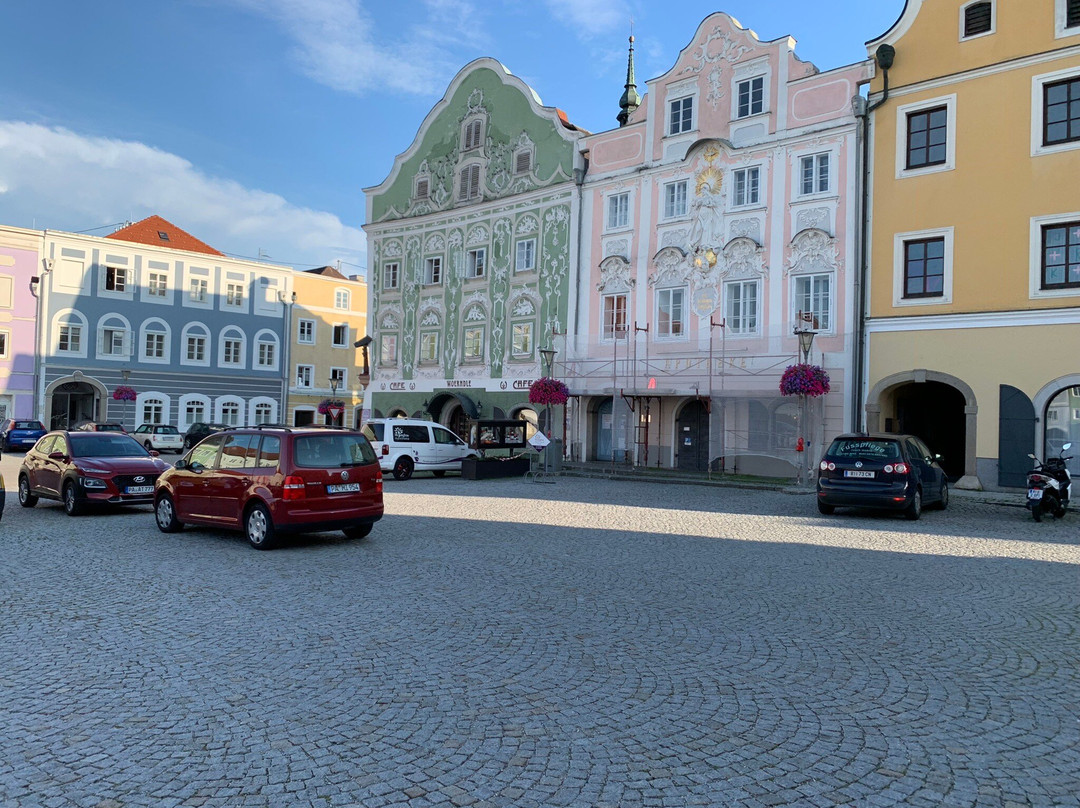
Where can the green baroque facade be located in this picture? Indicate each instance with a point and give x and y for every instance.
(472, 252)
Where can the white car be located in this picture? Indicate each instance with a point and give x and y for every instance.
(160, 437)
(405, 445)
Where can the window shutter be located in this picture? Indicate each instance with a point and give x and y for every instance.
(977, 19)
(1072, 14)
(463, 189)
(474, 183)
(522, 163)
(422, 189)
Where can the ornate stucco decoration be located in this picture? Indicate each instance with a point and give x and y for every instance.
(744, 258)
(477, 235)
(431, 312)
(618, 246)
(527, 224)
(435, 243)
(392, 249)
(748, 228)
(476, 103)
(615, 275)
(475, 307)
(718, 46)
(813, 218)
(524, 302)
(672, 268)
(675, 238)
(390, 317)
(706, 214)
(813, 250)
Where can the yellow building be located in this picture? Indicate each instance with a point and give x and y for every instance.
(328, 318)
(973, 285)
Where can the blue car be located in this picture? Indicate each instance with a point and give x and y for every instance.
(16, 434)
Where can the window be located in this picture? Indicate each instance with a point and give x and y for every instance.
(432, 270)
(266, 354)
(1072, 13)
(813, 296)
(525, 259)
(680, 116)
(195, 411)
(474, 263)
(814, 172)
(614, 317)
(924, 268)
(341, 335)
(388, 349)
(5, 343)
(751, 99)
(154, 345)
(1061, 255)
(422, 188)
(341, 299)
(153, 411)
(198, 289)
(521, 341)
(233, 351)
(523, 162)
(70, 338)
(337, 375)
(670, 317)
(264, 413)
(618, 211)
(390, 276)
(196, 348)
(470, 183)
(234, 294)
(978, 19)
(474, 344)
(116, 279)
(675, 199)
(305, 332)
(157, 284)
(747, 189)
(113, 341)
(1061, 112)
(304, 375)
(429, 347)
(473, 133)
(269, 449)
(927, 135)
(742, 307)
(230, 413)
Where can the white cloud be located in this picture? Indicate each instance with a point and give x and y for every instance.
(592, 17)
(57, 179)
(336, 44)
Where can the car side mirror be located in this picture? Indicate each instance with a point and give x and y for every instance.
(57, 456)
(938, 458)
(1065, 447)
(196, 467)
(154, 453)
(180, 464)
(1033, 457)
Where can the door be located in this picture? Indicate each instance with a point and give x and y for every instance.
(1016, 436)
(449, 448)
(192, 484)
(930, 473)
(227, 486)
(692, 437)
(602, 427)
(45, 472)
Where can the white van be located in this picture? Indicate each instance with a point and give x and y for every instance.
(405, 445)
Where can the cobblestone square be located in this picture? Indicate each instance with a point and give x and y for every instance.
(586, 643)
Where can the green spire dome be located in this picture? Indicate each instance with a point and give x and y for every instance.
(630, 99)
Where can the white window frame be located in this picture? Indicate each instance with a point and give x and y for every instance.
(161, 328)
(342, 375)
(902, 112)
(234, 294)
(108, 324)
(262, 402)
(429, 270)
(749, 79)
(300, 323)
(186, 334)
(1060, 18)
(203, 279)
(1035, 290)
(672, 334)
(530, 254)
(229, 401)
(745, 172)
(1038, 110)
(825, 320)
(733, 328)
(5, 343)
(993, 20)
(333, 335)
(669, 123)
(342, 299)
(391, 270)
(69, 318)
(183, 419)
(467, 357)
(304, 377)
(815, 160)
(899, 240)
(152, 399)
(608, 330)
(670, 202)
(610, 201)
(388, 350)
(266, 337)
(152, 296)
(129, 277)
(424, 357)
(530, 337)
(475, 262)
(232, 333)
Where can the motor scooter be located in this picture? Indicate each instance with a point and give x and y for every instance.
(1049, 486)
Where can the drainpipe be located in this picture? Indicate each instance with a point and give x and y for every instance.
(884, 56)
(286, 352)
(39, 338)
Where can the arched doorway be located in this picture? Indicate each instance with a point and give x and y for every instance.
(1062, 418)
(75, 399)
(692, 437)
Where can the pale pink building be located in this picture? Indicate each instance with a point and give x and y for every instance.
(719, 215)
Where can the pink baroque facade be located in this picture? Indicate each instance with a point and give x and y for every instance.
(719, 218)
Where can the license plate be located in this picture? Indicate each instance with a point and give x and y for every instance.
(29, 440)
(1035, 493)
(139, 489)
(343, 488)
(864, 475)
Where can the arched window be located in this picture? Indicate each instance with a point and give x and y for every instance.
(69, 334)
(154, 342)
(114, 337)
(152, 407)
(262, 410)
(229, 411)
(195, 345)
(231, 344)
(192, 408)
(266, 350)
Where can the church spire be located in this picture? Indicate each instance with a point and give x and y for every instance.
(630, 100)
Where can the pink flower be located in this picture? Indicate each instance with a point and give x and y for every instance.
(124, 393)
(327, 403)
(548, 391)
(804, 380)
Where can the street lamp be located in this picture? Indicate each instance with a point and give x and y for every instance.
(335, 382)
(805, 333)
(548, 355)
(125, 375)
(806, 339)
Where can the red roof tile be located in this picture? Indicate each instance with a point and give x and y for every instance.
(158, 232)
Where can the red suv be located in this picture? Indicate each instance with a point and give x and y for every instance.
(271, 481)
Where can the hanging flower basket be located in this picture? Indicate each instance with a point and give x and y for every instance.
(804, 380)
(548, 391)
(327, 403)
(124, 393)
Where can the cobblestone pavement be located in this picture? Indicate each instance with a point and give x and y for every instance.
(505, 643)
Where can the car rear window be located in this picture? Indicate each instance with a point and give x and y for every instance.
(865, 448)
(332, 451)
(166, 430)
(373, 431)
(104, 444)
(27, 425)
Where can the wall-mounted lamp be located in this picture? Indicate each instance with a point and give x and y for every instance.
(363, 344)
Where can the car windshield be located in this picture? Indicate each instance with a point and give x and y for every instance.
(110, 428)
(333, 451)
(27, 425)
(865, 449)
(104, 444)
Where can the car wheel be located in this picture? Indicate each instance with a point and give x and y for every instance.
(26, 499)
(439, 472)
(943, 499)
(403, 468)
(357, 532)
(72, 506)
(259, 527)
(828, 510)
(914, 510)
(165, 515)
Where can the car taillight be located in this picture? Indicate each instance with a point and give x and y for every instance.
(386, 448)
(827, 466)
(294, 488)
(378, 482)
(899, 468)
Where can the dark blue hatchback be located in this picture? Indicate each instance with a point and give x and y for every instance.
(16, 434)
(896, 472)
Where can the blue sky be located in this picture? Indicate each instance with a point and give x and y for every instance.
(255, 124)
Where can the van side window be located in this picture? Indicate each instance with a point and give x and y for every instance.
(411, 433)
(269, 452)
(444, 436)
(238, 452)
(206, 452)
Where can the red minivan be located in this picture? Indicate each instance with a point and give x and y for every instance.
(269, 481)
